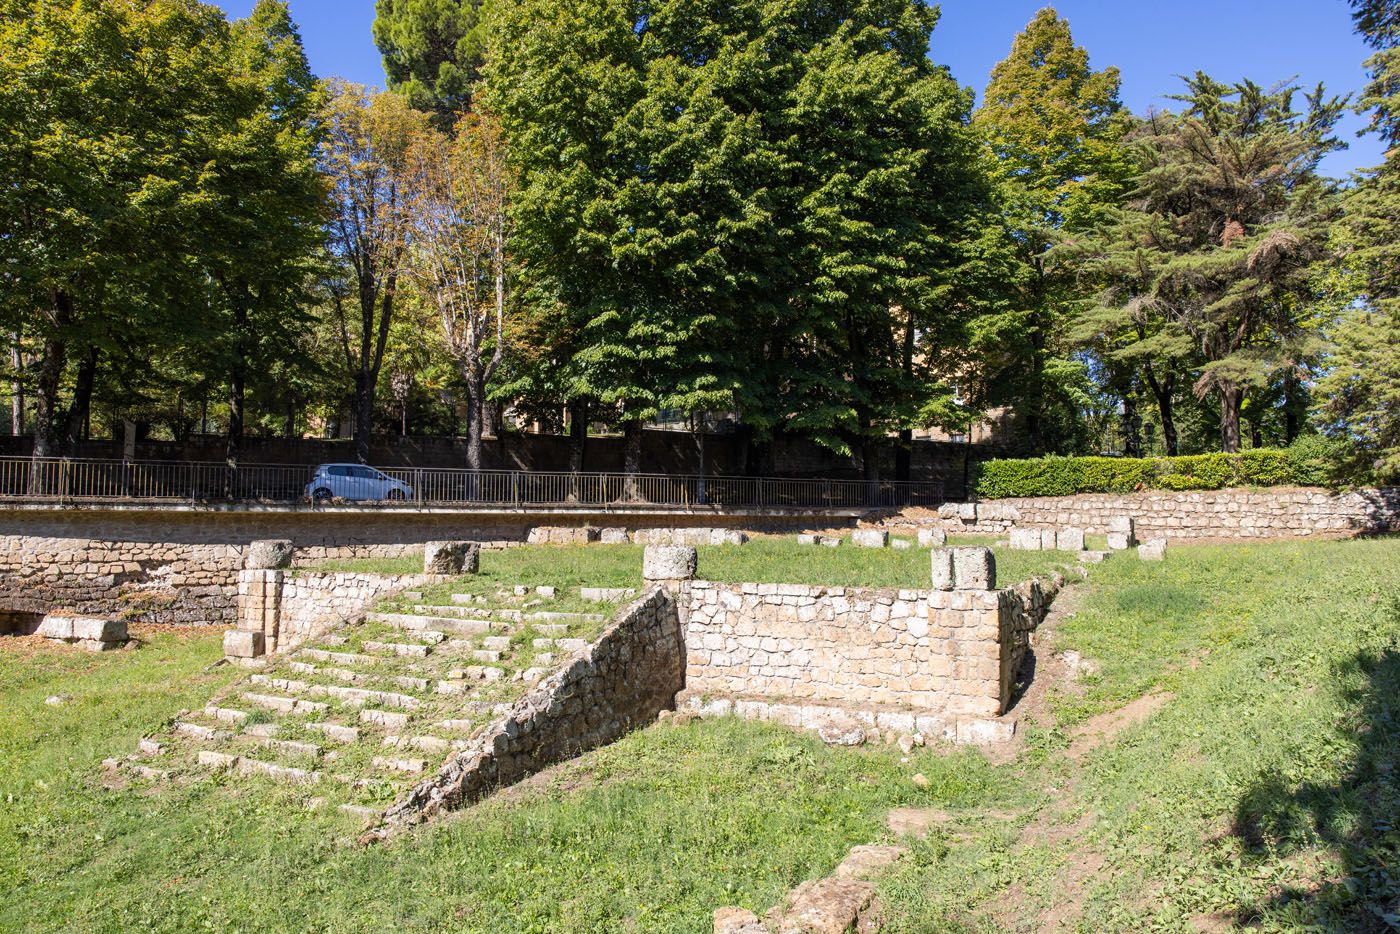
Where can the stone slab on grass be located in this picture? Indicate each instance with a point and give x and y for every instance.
(870, 538)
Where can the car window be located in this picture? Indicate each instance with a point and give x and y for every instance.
(364, 473)
(339, 471)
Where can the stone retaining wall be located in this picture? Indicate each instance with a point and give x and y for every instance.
(1214, 514)
(623, 680)
(171, 566)
(790, 652)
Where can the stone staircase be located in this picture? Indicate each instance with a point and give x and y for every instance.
(361, 714)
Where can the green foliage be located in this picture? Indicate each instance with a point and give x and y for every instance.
(433, 51)
(1312, 461)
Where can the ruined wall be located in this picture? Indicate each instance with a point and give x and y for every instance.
(949, 657)
(623, 680)
(290, 607)
(181, 566)
(1214, 514)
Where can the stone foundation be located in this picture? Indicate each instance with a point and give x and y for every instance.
(286, 608)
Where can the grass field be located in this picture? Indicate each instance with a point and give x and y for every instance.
(763, 560)
(1261, 792)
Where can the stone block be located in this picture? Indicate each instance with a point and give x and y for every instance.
(97, 645)
(1154, 549)
(932, 538)
(942, 568)
(1119, 541)
(99, 630)
(806, 539)
(870, 538)
(269, 555)
(974, 569)
(668, 562)
(612, 536)
(242, 644)
(1121, 533)
(733, 537)
(829, 541)
(1026, 539)
(56, 627)
(1070, 540)
(901, 544)
(1048, 540)
(451, 558)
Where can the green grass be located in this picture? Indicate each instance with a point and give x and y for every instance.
(1263, 793)
(763, 560)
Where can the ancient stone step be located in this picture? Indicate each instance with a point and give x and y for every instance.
(414, 684)
(341, 734)
(359, 810)
(339, 658)
(281, 773)
(496, 643)
(465, 599)
(343, 674)
(285, 704)
(281, 684)
(262, 729)
(149, 747)
(606, 594)
(399, 648)
(196, 731)
(532, 675)
(292, 746)
(551, 629)
(425, 743)
(225, 714)
(365, 696)
(544, 660)
(394, 764)
(396, 721)
(216, 760)
(553, 616)
(542, 643)
(473, 673)
(486, 655)
(148, 773)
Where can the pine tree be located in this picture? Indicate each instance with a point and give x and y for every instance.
(1216, 244)
(433, 52)
(1054, 126)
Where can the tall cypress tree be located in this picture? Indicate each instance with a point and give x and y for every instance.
(1054, 126)
(432, 52)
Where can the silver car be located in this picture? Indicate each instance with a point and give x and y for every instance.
(354, 482)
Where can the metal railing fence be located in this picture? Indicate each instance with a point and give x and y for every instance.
(62, 480)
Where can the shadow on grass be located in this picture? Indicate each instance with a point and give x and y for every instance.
(1357, 815)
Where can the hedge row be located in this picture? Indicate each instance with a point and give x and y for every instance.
(1304, 464)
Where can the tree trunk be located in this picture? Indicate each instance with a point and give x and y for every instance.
(16, 389)
(631, 456)
(1132, 441)
(476, 411)
(578, 435)
(1230, 399)
(81, 406)
(1166, 412)
(364, 414)
(233, 439)
(904, 454)
(51, 365)
(1290, 406)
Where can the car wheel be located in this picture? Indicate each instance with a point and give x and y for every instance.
(321, 495)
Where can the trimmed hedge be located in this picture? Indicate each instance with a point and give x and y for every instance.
(1309, 462)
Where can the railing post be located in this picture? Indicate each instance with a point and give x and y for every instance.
(515, 488)
(418, 486)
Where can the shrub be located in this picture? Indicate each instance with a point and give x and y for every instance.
(1311, 461)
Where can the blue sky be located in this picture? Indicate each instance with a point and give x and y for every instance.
(1150, 42)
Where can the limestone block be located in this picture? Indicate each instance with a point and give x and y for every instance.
(942, 568)
(974, 569)
(932, 538)
(1154, 549)
(732, 537)
(97, 645)
(99, 630)
(241, 644)
(1119, 541)
(451, 558)
(737, 921)
(1048, 540)
(901, 544)
(1070, 540)
(870, 538)
(828, 541)
(56, 627)
(668, 562)
(1121, 533)
(1026, 539)
(612, 536)
(806, 539)
(949, 510)
(269, 555)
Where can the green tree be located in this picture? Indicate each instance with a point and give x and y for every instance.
(433, 51)
(1054, 126)
(1217, 242)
